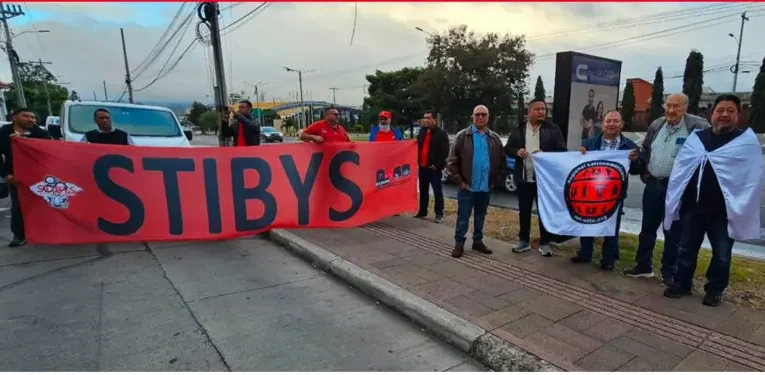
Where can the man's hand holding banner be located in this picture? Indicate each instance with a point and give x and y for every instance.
(74, 193)
(581, 195)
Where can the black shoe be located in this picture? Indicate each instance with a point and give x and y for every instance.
(673, 292)
(17, 242)
(639, 272)
(420, 216)
(481, 248)
(578, 259)
(667, 281)
(712, 300)
(459, 249)
(607, 266)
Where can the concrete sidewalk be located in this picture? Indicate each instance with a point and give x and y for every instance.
(527, 312)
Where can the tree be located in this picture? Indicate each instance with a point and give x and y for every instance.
(657, 95)
(208, 121)
(628, 106)
(693, 80)
(395, 92)
(539, 90)
(35, 78)
(196, 111)
(464, 70)
(757, 117)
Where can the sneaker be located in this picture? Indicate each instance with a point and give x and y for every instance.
(481, 248)
(712, 300)
(667, 281)
(546, 250)
(577, 259)
(607, 267)
(522, 247)
(439, 219)
(674, 292)
(17, 242)
(639, 272)
(459, 249)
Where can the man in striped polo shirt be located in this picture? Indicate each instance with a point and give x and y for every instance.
(662, 141)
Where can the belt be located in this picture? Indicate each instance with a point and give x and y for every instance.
(660, 179)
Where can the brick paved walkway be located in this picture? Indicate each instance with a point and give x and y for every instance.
(574, 316)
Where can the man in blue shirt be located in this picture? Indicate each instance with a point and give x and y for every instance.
(476, 163)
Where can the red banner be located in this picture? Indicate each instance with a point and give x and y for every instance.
(74, 193)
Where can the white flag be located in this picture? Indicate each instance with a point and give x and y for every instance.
(581, 195)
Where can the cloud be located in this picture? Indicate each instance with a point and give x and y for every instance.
(84, 43)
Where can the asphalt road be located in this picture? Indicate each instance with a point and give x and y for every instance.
(243, 305)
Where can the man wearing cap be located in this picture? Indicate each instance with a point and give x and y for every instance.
(383, 132)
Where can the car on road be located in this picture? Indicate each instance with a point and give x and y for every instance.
(509, 178)
(270, 134)
(147, 125)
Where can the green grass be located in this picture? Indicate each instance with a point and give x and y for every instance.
(747, 279)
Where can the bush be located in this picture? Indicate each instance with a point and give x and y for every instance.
(357, 129)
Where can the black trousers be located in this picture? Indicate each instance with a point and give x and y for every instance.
(430, 177)
(17, 221)
(527, 195)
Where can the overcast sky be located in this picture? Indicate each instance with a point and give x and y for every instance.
(84, 43)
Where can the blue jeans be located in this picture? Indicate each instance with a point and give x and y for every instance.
(610, 249)
(654, 196)
(694, 226)
(469, 202)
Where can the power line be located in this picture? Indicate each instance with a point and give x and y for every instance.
(163, 75)
(155, 49)
(183, 25)
(36, 32)
(245, 16)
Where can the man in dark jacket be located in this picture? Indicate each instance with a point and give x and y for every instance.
(611, 139)
(536, 135)
(246, 130)
(106, 133)
(432, 151)
(24, 125)
(476, 163)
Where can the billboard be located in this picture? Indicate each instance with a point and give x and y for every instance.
(586, 87)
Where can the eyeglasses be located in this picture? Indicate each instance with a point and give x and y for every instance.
(480, 114)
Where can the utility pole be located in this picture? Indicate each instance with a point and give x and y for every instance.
(302, 102)
(209, 14)
(95, 98)
(334, 94)
(7, 12)
(128, 81)
(744, 18)
(45, 83)
(257, 101)
(106, 95)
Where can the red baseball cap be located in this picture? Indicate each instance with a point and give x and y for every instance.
(384, 114)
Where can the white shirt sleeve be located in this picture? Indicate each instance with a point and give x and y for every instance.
(130, 140)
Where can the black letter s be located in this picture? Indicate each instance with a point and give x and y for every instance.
(127, 198)
(345, 185)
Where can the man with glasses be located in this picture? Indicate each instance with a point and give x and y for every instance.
(535, 135)
(432, 151)
(475, 164)
(326, 130)
(660, 146)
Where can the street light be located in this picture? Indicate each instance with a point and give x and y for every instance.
(257, 100)
(423, 31)
(302, 103)
(29, 32)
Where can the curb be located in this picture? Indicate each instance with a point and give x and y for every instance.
(485, 347)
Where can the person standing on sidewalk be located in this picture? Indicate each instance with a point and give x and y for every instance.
(382, 132)
(326, 130)
(24, 125)
(105, 132)
(611, 139)
(475, 164)
(662, 141)
(716, 187)
(536, 135)
(246, 130)
(433, 149)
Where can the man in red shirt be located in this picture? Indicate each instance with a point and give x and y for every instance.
(383, 132)
(433, 149)
(326, 130)
(246, 130)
